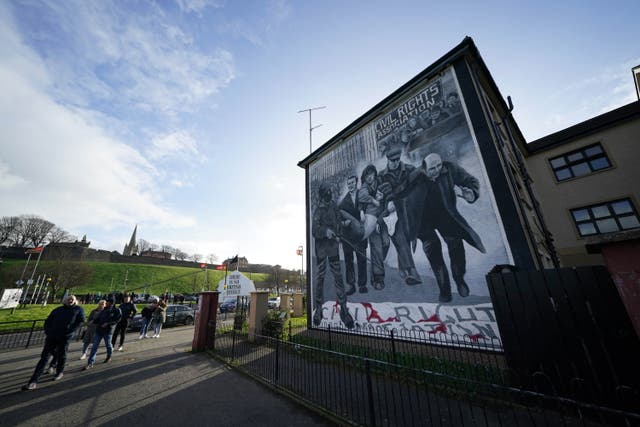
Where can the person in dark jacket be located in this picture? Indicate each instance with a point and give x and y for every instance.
(59, 327)
(128, 310)
(90, 330)
(105, 322)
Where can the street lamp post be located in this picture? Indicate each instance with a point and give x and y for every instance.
(299, 251)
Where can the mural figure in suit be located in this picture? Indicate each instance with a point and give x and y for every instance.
(352, 243)
(435, 183)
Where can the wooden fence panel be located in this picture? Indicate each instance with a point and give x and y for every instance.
(568, 327)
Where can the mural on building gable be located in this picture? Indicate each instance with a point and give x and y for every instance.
(404, 226)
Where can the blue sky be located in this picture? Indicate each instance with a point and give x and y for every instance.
(181, 115)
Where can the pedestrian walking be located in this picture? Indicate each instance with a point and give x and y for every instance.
(128, 310)
(147, 314)
(59, 327)
(159, 317)
(106, 322)
(90, 330)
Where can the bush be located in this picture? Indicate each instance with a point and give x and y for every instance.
(273, 324)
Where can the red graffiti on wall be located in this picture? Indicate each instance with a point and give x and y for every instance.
(373, 314)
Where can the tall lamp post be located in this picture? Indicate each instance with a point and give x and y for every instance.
(299, 251)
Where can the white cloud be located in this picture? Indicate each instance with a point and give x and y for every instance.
(63, 167)
(196, 6)
(278, 11)
(274, 238)
(9, 180)
(241, 29)
(595, 93)
(254, 31)
(178, 183)
(125, 59)
(175, 143)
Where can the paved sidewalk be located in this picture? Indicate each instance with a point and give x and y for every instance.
(155, 382)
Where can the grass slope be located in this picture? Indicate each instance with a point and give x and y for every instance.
(156, 278)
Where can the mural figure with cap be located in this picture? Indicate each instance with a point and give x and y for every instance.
(436, 182)
(352, 242)
(326, 227)
(395, 181)
(414, 127)
(436, 115)
(452, 104)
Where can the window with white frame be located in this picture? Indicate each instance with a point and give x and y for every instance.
(608, 217)
(580, 162)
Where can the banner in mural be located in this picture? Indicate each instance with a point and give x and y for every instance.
(404, 226)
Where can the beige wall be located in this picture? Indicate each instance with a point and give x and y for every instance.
(622, 180)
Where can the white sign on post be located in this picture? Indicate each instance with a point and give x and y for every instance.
(237, 285)
(10, 298)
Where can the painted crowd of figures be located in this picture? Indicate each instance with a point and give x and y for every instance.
(398, 205)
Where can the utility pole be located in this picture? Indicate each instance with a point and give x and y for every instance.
(126, 278)
(311, 128)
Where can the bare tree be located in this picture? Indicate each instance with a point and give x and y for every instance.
(180, 255)
(212, 258)
(69, 274)
(8, 226)
(35, 229)
(143, 245)
(275, 277)
(58, 235)
(168, 249)
(19, 237)
(196, 257)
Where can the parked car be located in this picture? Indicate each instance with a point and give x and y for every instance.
(176, 315)
(228, 305)
(142, 298)
(189, 297)
(231, 304)
(274, 303)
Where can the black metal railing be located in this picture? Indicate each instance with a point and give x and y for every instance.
(450, 354)
(365, 391)
(21, 334)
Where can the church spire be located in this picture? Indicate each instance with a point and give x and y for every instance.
(132, 247)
